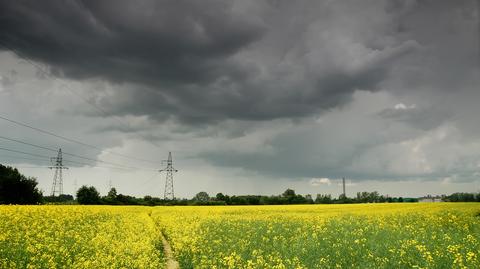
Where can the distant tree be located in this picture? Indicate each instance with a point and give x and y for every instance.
(202, 197)
(126, 200)
(148, 200)
(252, 199)
(15, 188)
(111, 198)
(288, 193)
(369, 197)
(323, 199)
(374, 197)
(112, 194)
(220, 197)
(88, 196)
(462, 197)
(238, 200)
(62, 198)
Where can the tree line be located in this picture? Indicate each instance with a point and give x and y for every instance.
(462, 197)
(15, 188)
(89, 195)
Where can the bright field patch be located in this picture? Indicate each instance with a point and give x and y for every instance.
(443, 235)
(324, 236)
(78, 237)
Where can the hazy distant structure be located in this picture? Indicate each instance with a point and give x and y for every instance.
(75, 187)
(343, 183)
(168, 194)
(57, 164)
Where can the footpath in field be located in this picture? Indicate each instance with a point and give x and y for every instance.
(166, 251)
(171, 263)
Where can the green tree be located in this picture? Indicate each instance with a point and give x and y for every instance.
(324, 199)
(202, 197)
(289, 193)
(112, 194)
(15, 188)
(220, 197)
(88, 196)
(62, 198)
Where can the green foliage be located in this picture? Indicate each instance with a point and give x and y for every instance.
(288, 193)
(202, 197)
(323, 199)
(463, 197)
(220, 197)
(88, 196)
(61, 199)
(112, 194)
(15, 188)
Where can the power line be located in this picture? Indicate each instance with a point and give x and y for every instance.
(71, 154)
(23, 158)
(144, 184)
(43, 159)
(26, 143)
(48, 75)
(14, 166)
(94, 166)
(48, 158)
(22, 152)
(70, 140)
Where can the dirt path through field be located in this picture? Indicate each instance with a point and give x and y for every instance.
(167, 251)
(171, 263)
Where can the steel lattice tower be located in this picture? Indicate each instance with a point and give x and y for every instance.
(57, 164)
(168, 194)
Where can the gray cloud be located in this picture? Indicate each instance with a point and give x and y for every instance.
(256, 89)
(210, 61)
(425, 118)
(122, 41)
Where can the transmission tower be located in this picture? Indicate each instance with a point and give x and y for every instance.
(168, 194)
(57, 164)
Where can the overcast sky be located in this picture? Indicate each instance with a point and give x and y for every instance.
(251, 97)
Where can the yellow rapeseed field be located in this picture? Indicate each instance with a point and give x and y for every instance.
(78, 237)
(436, 235)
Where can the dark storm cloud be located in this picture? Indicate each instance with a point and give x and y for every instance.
(145, 41)
(251, 89)
(214, 60)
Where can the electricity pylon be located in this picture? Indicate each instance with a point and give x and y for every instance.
(57, 164)
(168, 194)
